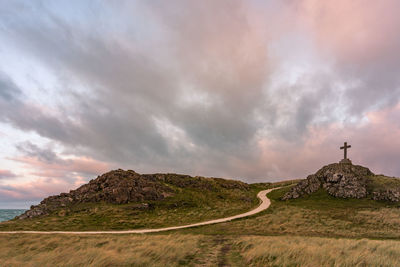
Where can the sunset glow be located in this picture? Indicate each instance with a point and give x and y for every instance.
(251, 90)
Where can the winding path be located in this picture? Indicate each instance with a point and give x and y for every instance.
(262, 195)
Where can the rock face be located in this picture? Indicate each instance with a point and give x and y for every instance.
(116, 187)
(338, 179)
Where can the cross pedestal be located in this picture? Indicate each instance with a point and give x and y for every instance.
(345, 160)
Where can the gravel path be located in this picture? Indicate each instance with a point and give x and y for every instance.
(265, 203)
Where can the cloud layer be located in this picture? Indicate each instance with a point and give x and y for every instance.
(256, 90)
(6, 174)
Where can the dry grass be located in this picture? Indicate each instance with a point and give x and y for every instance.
(315, 251)
(105, 250)
(194, 250)
(382, 223)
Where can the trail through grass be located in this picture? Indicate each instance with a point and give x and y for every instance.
(317, 215)
(187, 206)
(194, 250)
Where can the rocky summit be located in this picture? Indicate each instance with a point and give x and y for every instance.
(345, 180)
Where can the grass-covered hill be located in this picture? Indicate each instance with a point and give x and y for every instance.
(317, 215)
(346, 201)
(314, 229)
(127, 200)
(120, 200)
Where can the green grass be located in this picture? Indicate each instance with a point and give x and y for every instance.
(188, 205)
(321, 200)
(381, 182)
(316, 215)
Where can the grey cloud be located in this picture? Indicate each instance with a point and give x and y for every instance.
(46, 155)
(29, 117)
(133, 89)
(9, 92)
(209, 47)
(15, 110)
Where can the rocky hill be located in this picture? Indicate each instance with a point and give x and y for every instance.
(345, 180)
(121, 187)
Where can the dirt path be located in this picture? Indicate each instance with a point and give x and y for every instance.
(212, 252)
(265, 203)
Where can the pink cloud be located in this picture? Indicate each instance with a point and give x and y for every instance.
(50, 178)
(353, 30)
(63, 166)
(35, 189)
(6, 174)
(375, 144)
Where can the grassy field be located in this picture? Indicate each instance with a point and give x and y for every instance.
(316, 251)
(194, 250)
(58, 250)
(317, 230)
(317, 215)
(190, 205)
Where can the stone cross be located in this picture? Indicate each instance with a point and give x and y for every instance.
(345, 147)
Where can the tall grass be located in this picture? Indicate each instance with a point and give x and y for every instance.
(315, 251)
(194, 250)
(58, 250)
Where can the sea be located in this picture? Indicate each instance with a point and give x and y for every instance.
(9, 214)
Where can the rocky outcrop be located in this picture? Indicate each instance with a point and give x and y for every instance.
(344, 180)
(338, 179)
(392, 194)
(120, 187)
(116, 187)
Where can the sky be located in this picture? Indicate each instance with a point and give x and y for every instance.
(251, 90)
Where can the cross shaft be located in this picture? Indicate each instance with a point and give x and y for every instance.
(345, 147)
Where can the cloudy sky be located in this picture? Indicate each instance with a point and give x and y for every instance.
(251, 90)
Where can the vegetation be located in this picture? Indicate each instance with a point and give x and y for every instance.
(194, 250)
(381, 182)
(318, 214)
(315, 230)
(209, 199)
(316, 251)
(104, 250)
